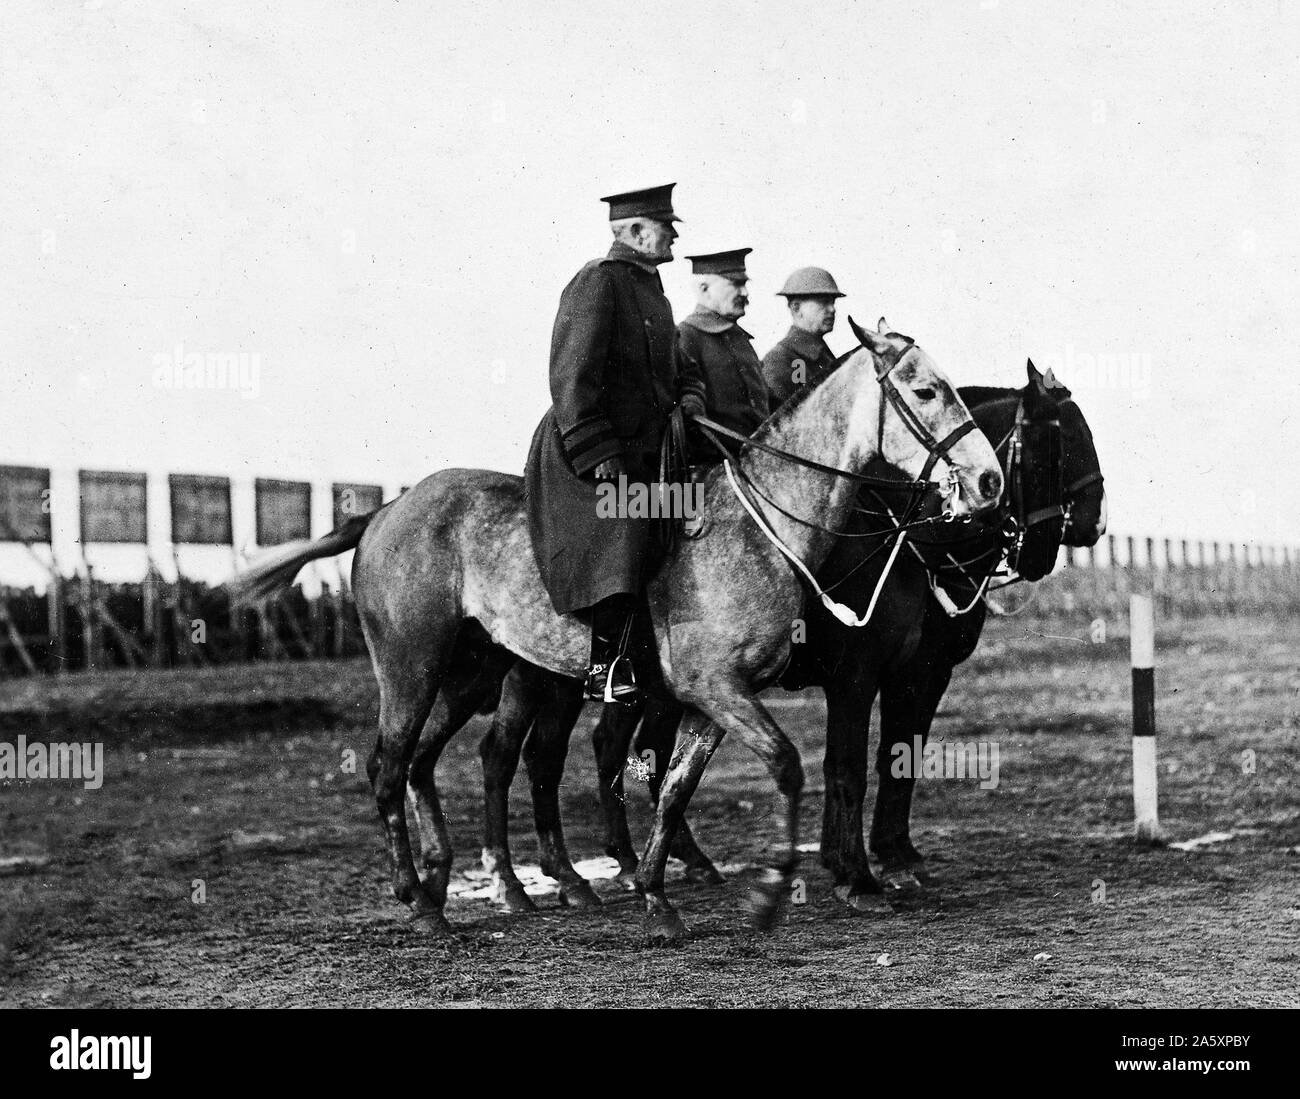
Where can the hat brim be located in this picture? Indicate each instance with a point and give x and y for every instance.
(813, 294)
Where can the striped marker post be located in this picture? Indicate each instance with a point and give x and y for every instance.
(1142, 651)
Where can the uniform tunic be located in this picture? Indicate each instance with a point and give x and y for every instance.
(781, 363)
(737, 396)
(615, 378)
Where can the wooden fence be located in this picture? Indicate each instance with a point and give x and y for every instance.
(82, 623)
(1187, 578)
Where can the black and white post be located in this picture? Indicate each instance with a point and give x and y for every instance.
(1142, 651)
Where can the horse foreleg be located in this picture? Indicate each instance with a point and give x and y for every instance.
(521, 699)
(545, 751)
(848, 715)
(907, 709)
(610, 740)
(657, 735)
(697, 740)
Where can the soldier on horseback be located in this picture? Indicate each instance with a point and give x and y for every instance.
(802, 357)
(733, 375)
(616, 375)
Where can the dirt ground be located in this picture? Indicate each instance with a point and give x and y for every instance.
(235, 778)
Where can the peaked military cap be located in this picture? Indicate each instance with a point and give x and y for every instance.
(729, 265)
(651, 202)
(810, 282)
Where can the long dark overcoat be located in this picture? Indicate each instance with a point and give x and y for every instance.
(615, 378)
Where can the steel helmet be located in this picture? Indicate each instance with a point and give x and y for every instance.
(810, 282)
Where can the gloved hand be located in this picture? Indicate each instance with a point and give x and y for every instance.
(692, 406)
(610, 468)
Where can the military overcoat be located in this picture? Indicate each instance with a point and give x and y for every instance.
(781, 364)
(733, 377)
(615, 377)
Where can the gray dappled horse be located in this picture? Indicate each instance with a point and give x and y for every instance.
(448, 567)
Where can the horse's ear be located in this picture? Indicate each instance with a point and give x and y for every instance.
(1032, 371)
(882, 326)
(864, 337)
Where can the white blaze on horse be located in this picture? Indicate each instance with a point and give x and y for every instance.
(448, 567)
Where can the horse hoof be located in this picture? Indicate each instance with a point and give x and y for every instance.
(867, 902)
(861, 901)
(578, 895)
(765, 901)
(901, 880)
(705, 874)
(432, 924)
(513, 899)
(665, 927)
(626, 880)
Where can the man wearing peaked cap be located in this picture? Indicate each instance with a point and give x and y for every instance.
(802, 357)
(616, 376)
(733, 376)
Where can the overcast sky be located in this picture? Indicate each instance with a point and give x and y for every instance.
(379, 203)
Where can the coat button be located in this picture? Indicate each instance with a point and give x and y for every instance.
(647, 322)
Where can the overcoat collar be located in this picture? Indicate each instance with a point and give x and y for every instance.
(808, 344)
(706, 320)
(620, 251)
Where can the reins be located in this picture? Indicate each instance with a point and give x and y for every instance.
(936, 450)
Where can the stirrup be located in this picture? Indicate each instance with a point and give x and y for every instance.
(609, 683)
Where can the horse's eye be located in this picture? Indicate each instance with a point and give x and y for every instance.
(925, 393)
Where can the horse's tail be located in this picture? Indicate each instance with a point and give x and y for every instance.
(278, 567)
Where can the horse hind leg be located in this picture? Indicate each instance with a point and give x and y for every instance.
(521, 698)
(545, 751)
(611, 739)
(405, 701)
(472, 679)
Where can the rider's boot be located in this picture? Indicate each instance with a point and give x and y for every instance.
(610, 677)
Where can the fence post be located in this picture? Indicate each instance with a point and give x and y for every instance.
(89, 634)
(1142, 643)
(56, 615)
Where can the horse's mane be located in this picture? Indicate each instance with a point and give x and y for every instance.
(985, 394)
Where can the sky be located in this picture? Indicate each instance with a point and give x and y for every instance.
(377, 204)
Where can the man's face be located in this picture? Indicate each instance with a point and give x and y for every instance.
(654, 240)
(724, 296)
(816, 315)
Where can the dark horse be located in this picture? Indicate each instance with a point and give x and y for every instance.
(929, 613)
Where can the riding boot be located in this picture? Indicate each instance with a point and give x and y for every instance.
(610, 677)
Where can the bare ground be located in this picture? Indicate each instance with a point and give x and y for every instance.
(234, 777)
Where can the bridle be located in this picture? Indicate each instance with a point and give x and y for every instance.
(936, 449)
(1061, 497)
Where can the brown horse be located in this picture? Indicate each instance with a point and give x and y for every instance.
(448, 568)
